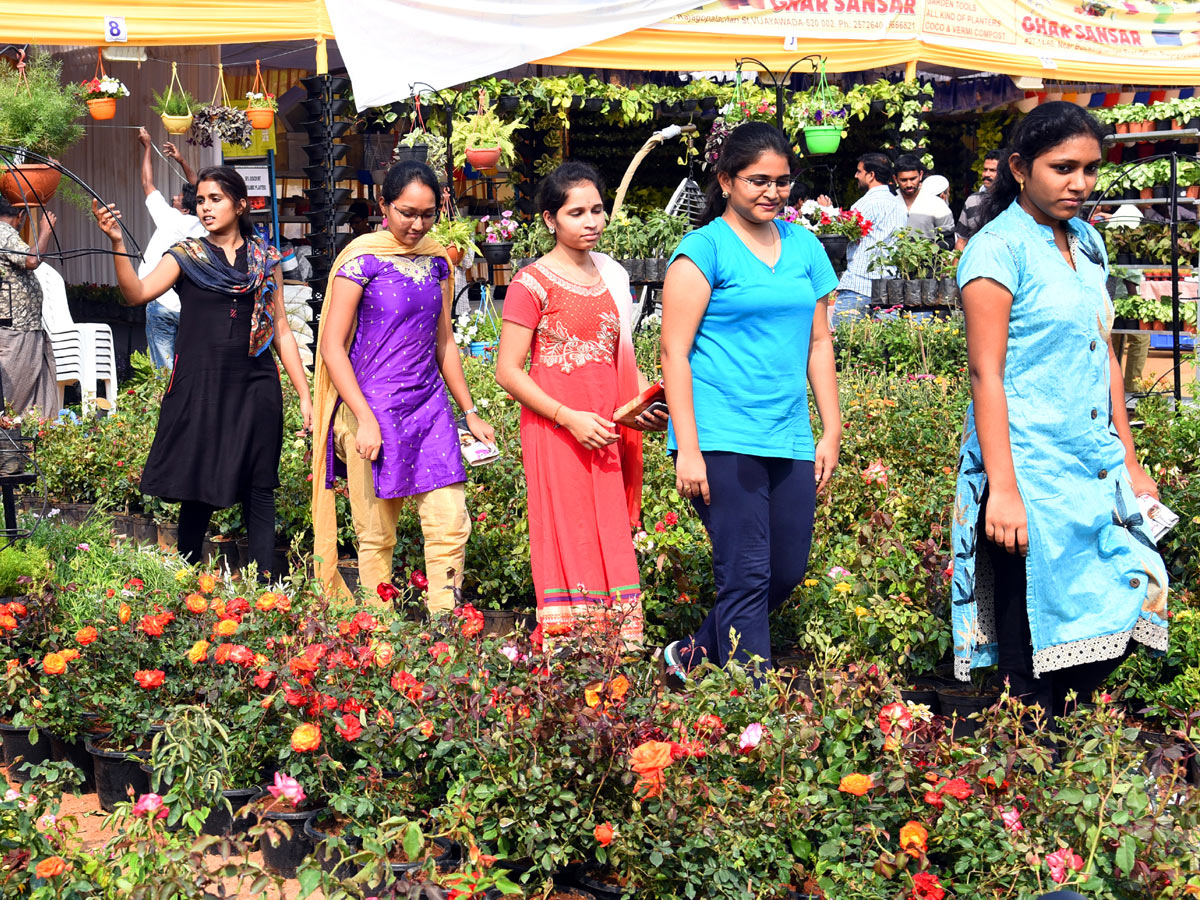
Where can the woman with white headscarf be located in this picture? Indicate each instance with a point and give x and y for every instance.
(929, 212)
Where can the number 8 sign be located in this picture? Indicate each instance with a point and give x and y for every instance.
(114, 30)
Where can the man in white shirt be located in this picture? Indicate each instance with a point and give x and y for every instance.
(173, 222)
(887, 214)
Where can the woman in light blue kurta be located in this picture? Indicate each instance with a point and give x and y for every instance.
(1048, 467)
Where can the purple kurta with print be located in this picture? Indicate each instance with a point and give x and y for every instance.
(394, 355)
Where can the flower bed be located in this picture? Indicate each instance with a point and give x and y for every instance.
(817, 782)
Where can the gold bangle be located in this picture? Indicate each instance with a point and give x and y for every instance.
(554, 418)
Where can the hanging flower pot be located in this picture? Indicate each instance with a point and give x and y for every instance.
(261, 119)
(102, 108)
(102, 91)
(483, 157)
(822, 138)
(498, 253)
(260, 104)
(177, 124)
(31, 184)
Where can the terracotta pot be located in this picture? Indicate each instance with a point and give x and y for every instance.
(1193, 191)
(455, 255)
(176, 124)
(102, 107)
(32, 184)
(484, 158)
(261, 118)
(1122, 127)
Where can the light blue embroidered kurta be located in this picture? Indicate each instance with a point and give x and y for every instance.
(1095, 579)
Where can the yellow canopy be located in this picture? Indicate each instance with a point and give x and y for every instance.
(1134, 41)
(155, 22)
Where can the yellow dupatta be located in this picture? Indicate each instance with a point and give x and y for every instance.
(325, 396)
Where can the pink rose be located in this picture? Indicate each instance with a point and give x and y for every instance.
(150, 805)
(1060, 861)
(750, 737)
(1012, 819)
(287, 787)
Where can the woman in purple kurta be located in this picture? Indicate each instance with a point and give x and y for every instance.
(391, 430)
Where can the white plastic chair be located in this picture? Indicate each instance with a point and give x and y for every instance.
(83, 352)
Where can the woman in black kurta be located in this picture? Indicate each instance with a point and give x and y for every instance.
(220, 428)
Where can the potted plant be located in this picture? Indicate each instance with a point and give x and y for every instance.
(821, 115)
(456, 235)
(260, 109)
(101, 95)
(483, 139)
(38, 114)
(498, 234)
(175, 108)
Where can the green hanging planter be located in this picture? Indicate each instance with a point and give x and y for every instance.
(820, 139)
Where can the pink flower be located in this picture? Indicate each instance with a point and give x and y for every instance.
(750, 738)
(287, 787)
(875, 473)
(838, 572)
(150, 805)
(1012, 819)
(511, 653)
(893, 715)
(1060, 861)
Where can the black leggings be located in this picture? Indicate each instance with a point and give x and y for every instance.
(258, 511)
(1015, 657)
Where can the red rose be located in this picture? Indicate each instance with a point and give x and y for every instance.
(149, 678)
(418, 580)
(387, 592)
(263, 679)
(351, 729)
(440, 652)
(671, 518)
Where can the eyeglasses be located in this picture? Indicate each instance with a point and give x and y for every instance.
(761, 182)
(412, 217)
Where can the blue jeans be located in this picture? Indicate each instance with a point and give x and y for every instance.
(162, 324)
(850, 305)
(760, 521)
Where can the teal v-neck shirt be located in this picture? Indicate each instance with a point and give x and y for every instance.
(750, 355)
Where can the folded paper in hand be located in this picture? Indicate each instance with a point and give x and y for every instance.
(627, 414)
(1159, 519)
(474, 451)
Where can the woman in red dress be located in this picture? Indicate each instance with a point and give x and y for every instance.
(572, 308)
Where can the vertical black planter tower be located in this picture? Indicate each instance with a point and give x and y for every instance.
(328, 209)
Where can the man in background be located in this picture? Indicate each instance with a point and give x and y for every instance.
(173, 222)
(970, 220)
(909, 173)
(886, 213)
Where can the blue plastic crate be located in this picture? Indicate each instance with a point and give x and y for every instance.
(1161, 340)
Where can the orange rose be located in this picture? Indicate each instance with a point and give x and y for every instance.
(425, 727)
(618, 687)
(221, 654)
(18, 609)
(149, 678)
(69, 654)
(266, 602)
(306, 738)
(260, 660)
(86, 635)
(225, 628)
(913, 839)
(195, 603)
(123, 613)
(856, 784)
(384, 653)
(198, 653)
(604, 834)
(651, 756)
(7, 622)
(54, 664)
(208, 583)
(50, 867)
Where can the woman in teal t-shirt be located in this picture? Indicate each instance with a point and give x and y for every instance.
(745, 331)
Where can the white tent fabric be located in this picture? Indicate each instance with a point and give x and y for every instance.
(389, 45)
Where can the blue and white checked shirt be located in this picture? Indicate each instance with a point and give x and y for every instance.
(886, 212)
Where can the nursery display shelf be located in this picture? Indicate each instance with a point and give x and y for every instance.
(1153, 201)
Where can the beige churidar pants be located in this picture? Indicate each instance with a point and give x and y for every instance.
(444, 524)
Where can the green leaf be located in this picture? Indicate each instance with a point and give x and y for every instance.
(413, 841)
(309, 878)
(1073, 796)
(1127, 854)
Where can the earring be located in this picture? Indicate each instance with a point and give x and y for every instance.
(552, 230)
(1020, 185)
(725, 194)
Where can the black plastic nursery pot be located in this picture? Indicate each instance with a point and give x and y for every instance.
(118, 774)
(75, 752)
(923, 692)
(281, 854)
(331, 858)
(20, 751)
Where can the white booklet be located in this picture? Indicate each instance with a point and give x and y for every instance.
(475, 452)
(1159, 519)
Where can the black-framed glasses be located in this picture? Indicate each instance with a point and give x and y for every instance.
(413, 216)
(762, 182)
